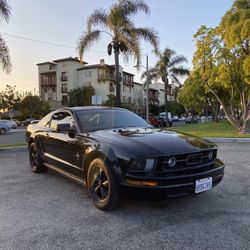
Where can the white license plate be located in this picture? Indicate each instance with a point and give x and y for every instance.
(203, 185)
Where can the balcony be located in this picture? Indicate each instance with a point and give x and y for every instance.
(106, 77)
(48, 80)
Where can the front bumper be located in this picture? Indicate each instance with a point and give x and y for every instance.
(178, 184)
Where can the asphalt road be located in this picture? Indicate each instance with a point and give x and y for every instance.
(47, 211)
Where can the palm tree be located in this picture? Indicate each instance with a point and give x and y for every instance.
(125, 36)
(4, 51)
(167, 67)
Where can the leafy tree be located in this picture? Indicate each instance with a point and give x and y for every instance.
(222, 58)
(5, 62)
(81, 96)
(169, 66)
(32, 106)
(125, 36)
(9, 98)
(195, 96)
(111, 101)
(154, 109)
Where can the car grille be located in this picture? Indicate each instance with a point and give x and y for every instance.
(186, 163)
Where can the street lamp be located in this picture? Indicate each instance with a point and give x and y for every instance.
(147, 83)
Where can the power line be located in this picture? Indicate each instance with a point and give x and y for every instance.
(45, 42)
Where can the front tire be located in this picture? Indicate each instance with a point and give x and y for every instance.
(36, 162)
(2, 131)
(102, 185)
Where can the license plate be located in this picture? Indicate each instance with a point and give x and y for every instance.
(203, 185)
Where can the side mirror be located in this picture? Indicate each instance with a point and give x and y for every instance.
(65, 127)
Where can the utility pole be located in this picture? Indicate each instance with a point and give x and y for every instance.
(147, 83)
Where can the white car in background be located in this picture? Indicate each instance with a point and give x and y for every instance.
(10, 123)
(163, 115)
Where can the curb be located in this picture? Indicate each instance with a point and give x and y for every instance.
(13, 148)
(228, 140)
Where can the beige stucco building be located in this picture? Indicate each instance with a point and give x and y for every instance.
(58, 77)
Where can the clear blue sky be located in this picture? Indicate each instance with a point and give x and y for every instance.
(63, 21)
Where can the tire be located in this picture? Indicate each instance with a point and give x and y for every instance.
(36, 162)
(2, 131)
(102, 185)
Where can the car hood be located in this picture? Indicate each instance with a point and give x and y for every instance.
(153, 142)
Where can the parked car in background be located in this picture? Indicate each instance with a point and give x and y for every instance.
(163, 115)
(107, 149)
(28, 121)
(10, 123)
(18, 123)
(4, 127)
(191, 119)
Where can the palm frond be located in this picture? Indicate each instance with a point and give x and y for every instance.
(4, 56)
(181, 71)
(130, 8)
(86, 40)
(177, 60)
(5, 10)
(99, 16)
(151, 74)
(149, 35)
(175, 79)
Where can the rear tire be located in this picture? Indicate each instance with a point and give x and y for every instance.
(36, 162)
(102, 185)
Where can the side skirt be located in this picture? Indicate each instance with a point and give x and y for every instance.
(66, 174)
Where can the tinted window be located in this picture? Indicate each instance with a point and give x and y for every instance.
(91, 120)
(59, 118)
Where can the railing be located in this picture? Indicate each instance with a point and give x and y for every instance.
(103, 77)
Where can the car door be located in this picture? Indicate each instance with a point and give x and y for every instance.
(61, 148)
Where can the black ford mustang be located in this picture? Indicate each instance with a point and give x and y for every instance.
(108, 148)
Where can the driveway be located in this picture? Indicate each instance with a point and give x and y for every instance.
(47, 211)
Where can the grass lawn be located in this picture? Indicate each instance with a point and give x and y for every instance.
(210, 129)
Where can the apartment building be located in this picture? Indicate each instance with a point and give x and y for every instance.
(58, 77)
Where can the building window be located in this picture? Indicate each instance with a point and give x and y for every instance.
(129, 99)
(64, 100)
(88, 73)
(64, 88)
(64, 77)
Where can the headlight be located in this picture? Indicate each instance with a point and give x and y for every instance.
(143, 164)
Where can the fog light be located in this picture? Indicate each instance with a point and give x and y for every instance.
(171, 162)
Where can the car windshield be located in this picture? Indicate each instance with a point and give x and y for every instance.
(99, 119)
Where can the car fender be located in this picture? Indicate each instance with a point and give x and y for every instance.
(106, 153)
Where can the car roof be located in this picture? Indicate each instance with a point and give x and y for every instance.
(90, 108)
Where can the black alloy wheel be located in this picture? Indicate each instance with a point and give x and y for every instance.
(102, 185)
(35, 160)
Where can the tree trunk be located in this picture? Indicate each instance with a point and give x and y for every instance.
(245, 129)
(231, 119)
(117, 76)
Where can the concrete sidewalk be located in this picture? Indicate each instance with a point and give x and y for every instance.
(229, 140)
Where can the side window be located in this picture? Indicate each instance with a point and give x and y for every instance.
(59, 118)
(44, 122)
